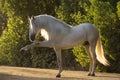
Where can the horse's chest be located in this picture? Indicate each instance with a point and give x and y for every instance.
(45, 34)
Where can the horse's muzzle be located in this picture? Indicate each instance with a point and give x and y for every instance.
(32, 37)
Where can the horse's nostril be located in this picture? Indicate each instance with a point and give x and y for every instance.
(32, 37)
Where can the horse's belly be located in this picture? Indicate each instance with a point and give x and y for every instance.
(68, 46)
(72, 40)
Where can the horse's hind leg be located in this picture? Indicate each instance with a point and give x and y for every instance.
(93, 54)
(59, 61)
(87, 48)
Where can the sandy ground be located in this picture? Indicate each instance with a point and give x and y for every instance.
(21, 73)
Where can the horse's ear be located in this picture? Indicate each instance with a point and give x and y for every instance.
(32, 17)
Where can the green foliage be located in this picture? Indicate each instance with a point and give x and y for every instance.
(13, 17)
(15, 35)
(81, 57)
(43, 58)
(103, 15)
(118, 9)
(3, 22)
(9, 41)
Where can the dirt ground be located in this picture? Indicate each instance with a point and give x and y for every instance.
(21, 73)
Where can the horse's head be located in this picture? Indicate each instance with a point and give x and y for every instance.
(38, 24)
(32, 29)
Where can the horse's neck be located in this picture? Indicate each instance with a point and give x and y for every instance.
(52, 28)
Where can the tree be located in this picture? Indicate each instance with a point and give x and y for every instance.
(104, 14)
(118, 9)
(3, 22)
(16, 34)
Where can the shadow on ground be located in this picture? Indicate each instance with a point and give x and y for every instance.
(21, 73)
(105, 76)
(16, 77)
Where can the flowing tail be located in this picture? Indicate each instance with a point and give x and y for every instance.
(100, 54)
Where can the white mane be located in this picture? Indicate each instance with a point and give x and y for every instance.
(51, 18)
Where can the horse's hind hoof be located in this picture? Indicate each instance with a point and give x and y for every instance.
(58, 76)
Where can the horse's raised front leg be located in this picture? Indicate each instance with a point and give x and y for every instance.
(36, 44)
(25, 48)
(59, 61)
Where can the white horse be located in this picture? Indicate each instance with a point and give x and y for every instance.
(59, 35)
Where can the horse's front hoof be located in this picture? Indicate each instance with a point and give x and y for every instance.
(58, 76)
(22, 50)
(88, 74)
(92, 74)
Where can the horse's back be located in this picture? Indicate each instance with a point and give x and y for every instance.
(87, 26)
(89, 30)
(92, 32)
